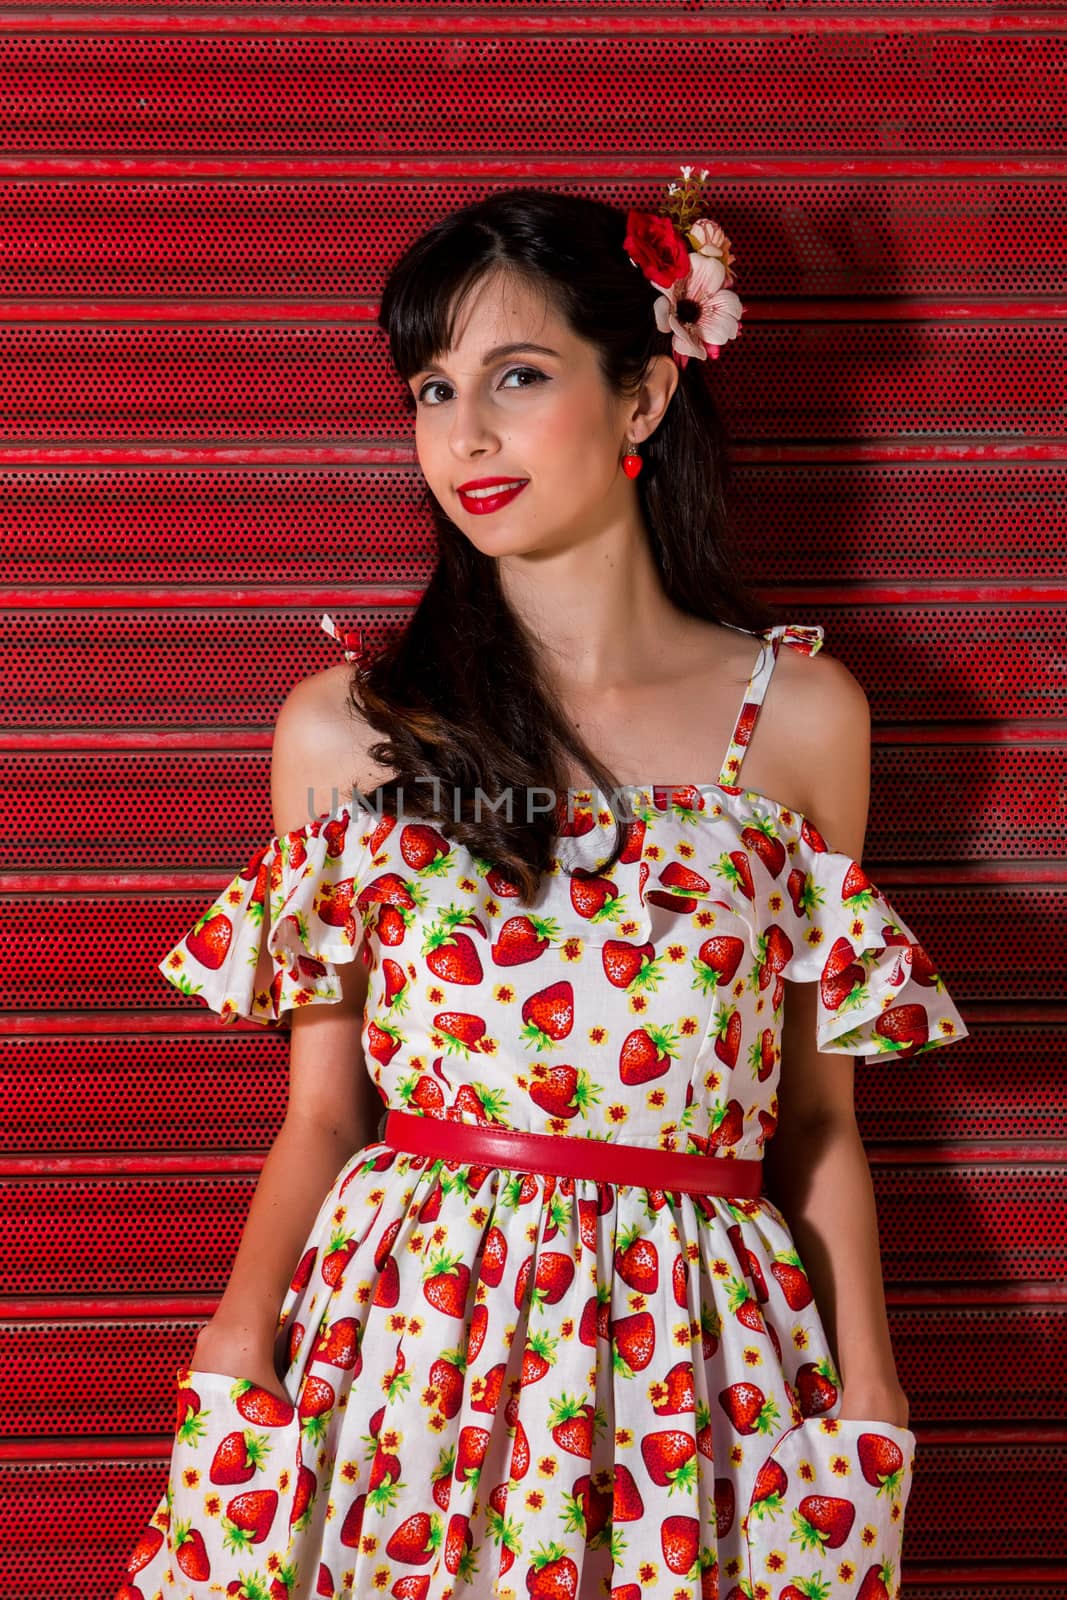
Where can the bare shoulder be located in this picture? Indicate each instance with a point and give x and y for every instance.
(821, 722)
(320, 749)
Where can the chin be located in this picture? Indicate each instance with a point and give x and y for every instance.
(507, 544)
(495, 536)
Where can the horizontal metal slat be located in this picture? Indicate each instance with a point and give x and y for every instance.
(179, 1234)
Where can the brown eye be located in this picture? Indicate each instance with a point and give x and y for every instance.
(439, 383)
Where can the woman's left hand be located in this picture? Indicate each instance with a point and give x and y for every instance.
(875, 1403)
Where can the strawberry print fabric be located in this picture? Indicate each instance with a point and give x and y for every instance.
(827, 1509)
(515, 1385)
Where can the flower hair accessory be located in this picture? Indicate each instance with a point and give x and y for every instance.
(683, 252)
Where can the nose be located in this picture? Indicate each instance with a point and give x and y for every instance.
(469, 435)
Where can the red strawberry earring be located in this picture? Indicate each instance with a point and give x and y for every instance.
(631, 461)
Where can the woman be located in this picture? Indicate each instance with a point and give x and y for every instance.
(598, 1359)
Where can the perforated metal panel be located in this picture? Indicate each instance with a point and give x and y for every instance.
(177, 1234)
(303, 383)
(211, 667)
(1008, 1087)
(202, 447)
(502, 92)
(222, 1095)
(926, 1340)
(804, 236)
(274, 527)
(913, 522)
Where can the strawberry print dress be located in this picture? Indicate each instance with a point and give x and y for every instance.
(512, 1385)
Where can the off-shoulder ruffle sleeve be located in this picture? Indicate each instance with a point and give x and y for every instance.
(879, 991)
(303, 888)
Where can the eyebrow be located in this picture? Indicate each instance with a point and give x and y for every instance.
(496, 354)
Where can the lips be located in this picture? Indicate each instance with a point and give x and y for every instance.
(482, 503)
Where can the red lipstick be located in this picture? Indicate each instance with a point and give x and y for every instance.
(483, 503)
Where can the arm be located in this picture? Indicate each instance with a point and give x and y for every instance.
(333, 1107)
(816, 1165)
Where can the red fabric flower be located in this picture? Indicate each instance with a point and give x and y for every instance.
(653, 245)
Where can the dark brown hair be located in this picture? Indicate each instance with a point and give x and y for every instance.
(458, 692)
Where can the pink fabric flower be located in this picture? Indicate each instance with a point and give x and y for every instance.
(699, 310)
(708, 239)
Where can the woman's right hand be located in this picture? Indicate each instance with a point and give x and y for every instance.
(238, 1352)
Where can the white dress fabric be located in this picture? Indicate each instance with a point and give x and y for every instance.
(514, 1385)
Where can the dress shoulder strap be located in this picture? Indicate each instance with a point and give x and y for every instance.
(805, 637)
(350, 638)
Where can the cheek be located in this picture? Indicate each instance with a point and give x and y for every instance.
(437, 466)
(572, 438)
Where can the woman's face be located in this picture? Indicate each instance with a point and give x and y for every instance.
(541, 415)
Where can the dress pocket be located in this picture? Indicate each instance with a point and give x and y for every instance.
(203, 1398)
(234, 1471)
(827, 1508)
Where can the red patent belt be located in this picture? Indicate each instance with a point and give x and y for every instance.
(565, 1156)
